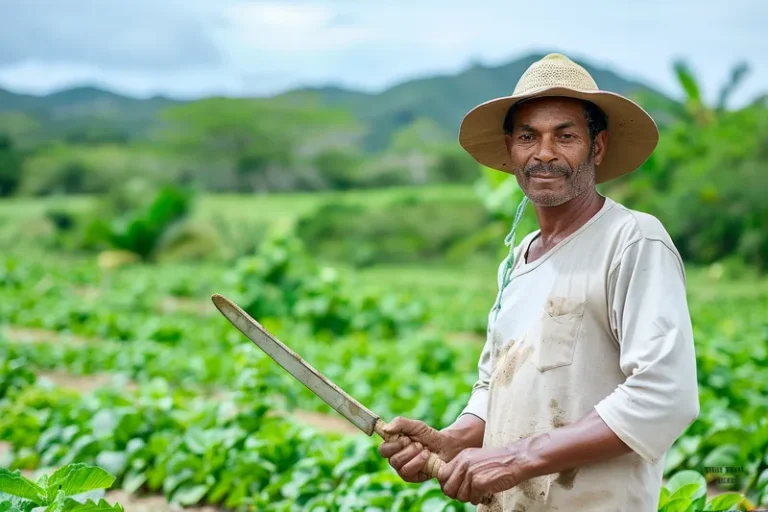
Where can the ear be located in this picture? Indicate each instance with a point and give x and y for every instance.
(508, 143)
(601, 145)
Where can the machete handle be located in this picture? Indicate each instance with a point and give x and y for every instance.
(433, 464)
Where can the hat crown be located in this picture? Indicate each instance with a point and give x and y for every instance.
(555, 70)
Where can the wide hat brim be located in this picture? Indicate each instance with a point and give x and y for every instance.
(632, 132)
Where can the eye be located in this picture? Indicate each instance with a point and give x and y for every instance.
(567, 136)
(526, 137)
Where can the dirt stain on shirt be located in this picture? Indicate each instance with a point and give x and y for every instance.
(565, 478)
(493, 506)
(528, 489)
(557, 414)
(510, 362)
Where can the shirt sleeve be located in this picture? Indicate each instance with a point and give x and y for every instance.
(478, 400)
(650, 318)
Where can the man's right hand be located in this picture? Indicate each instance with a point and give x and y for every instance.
(409, 459)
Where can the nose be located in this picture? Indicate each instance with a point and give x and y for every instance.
(545, 152)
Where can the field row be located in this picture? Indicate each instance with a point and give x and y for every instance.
(152, 326)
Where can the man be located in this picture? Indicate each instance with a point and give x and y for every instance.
(588, 374)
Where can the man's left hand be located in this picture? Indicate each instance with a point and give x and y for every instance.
(477, 472)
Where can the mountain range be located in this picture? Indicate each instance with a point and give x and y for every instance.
(444, 99)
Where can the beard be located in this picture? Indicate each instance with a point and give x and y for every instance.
(574, 183)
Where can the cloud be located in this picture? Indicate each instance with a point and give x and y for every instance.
(247, 47)
(140, 34)
(291, 27)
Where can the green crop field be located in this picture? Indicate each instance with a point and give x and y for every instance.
(132, 369)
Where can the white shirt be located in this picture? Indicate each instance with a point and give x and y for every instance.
(599, 322)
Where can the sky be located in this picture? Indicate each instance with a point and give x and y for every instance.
(194, 48)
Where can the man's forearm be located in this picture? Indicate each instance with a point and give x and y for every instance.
(587, 441)
(467, 431)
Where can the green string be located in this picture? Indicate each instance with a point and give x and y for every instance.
(509, 261)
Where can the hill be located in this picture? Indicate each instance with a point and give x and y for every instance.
(447, 98)
(444, 99)
(87, 113)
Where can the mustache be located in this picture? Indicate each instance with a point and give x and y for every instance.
(547, 170)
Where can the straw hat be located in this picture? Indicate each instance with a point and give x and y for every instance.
(632, 133)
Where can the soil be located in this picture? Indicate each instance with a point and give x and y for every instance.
(169, 304)
(185, 305)
(325, 422)
(88, 383)
(150, 503)
(33, 335)
(81, 383)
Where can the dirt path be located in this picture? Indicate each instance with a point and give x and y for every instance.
(151, 503)
(170, 304)
(324, 422)
(35, 335)
(82, 383)
(89, 383)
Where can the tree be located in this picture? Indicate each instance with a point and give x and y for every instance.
(249, 136)
(705, 181)
(10, 166)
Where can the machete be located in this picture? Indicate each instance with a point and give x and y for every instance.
(355, 412)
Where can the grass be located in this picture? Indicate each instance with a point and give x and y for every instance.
(285, 208)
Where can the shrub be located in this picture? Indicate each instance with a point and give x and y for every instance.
(399, 232)
(282, 280)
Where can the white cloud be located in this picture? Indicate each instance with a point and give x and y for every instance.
(290, 28)
(261, 47)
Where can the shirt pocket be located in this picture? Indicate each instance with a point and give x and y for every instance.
(560, 325)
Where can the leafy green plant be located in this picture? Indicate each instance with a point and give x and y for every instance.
(686, 491)
(179, 433)
(283, 281)
(140, 231)
(407, 229)
(71, 488)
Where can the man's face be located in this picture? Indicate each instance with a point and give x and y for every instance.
(552, 156)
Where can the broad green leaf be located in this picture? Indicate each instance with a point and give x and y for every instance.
(237, 496)
(688, 484)
(71, 505)
(726, 455)
(221, 488)
(78, 478)
(13, 483)
(54, 505)
(676, 505)
(104, 423)
(726, 501)
(133, 481)
(175, 480)
(663, 497)
(674, 458)
(198, 440)
(189, 494)
(687, 491)
(762, 480)
(16, 502)
(112, 462)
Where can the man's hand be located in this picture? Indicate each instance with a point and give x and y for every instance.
(409, 460)
(477, 472)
